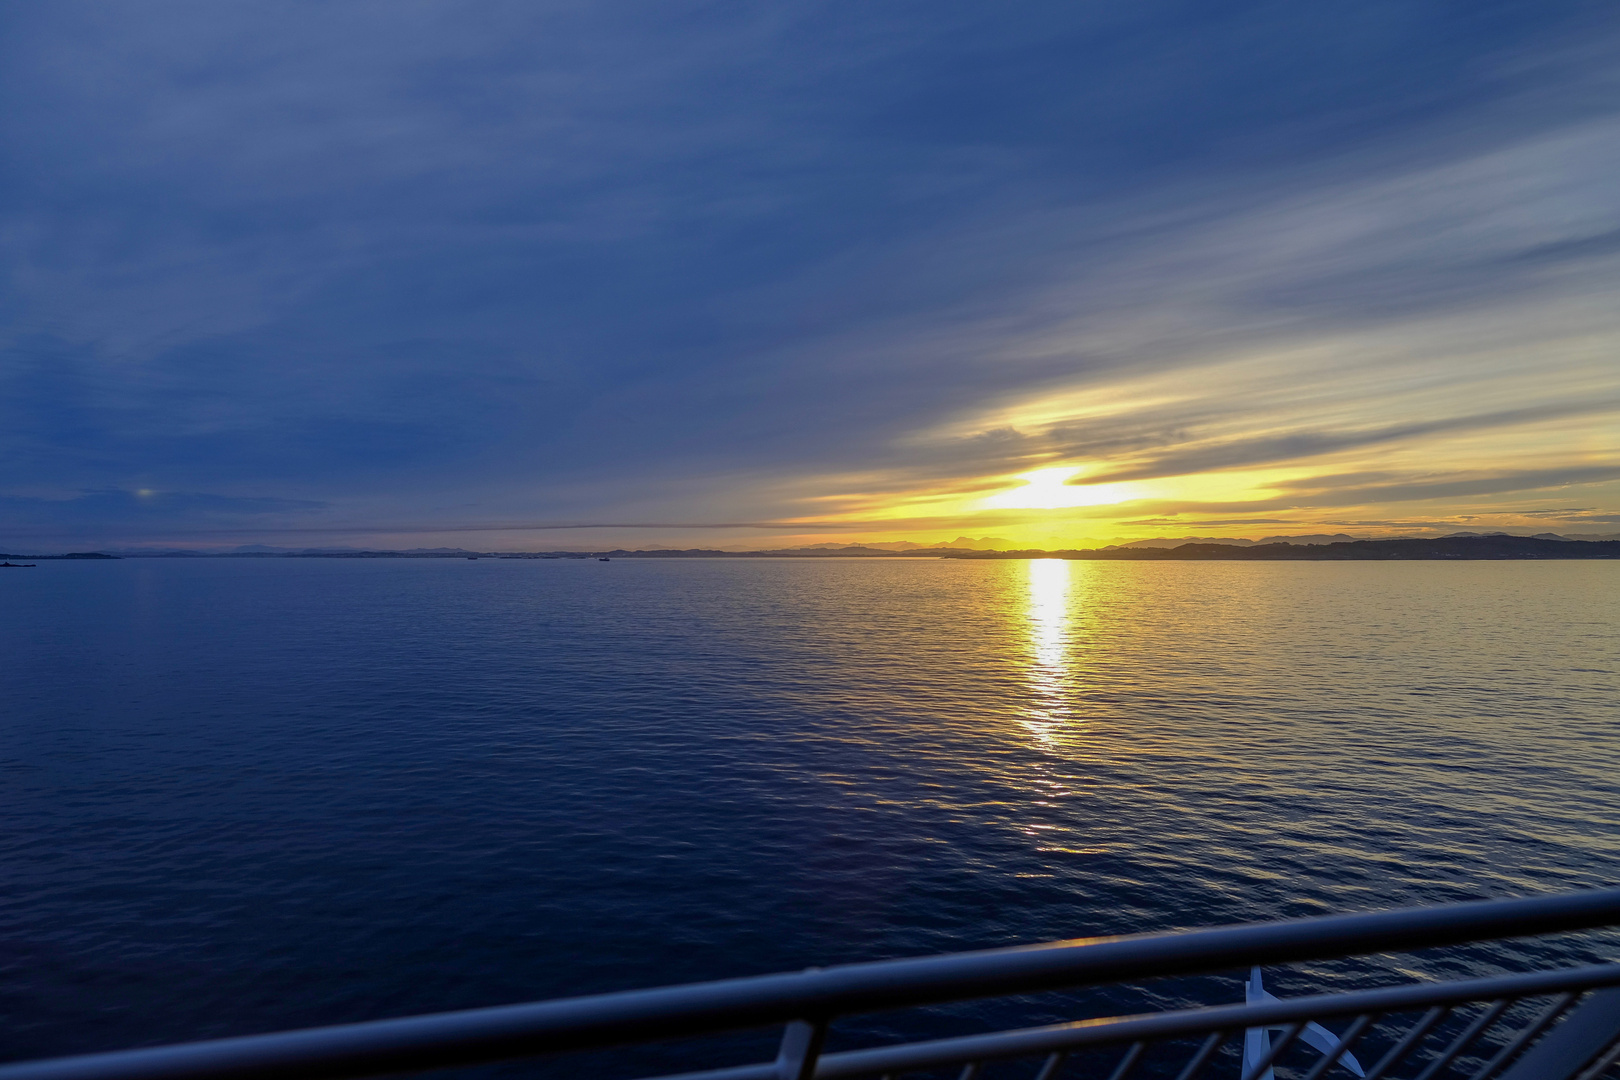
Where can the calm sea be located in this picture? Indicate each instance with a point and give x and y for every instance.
(239, 795)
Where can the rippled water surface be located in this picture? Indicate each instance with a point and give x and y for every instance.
(247, 794)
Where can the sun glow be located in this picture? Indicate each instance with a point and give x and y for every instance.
(1049, 489)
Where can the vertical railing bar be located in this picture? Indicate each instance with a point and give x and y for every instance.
(1413, 1036)
(1469, 1033)
(1290, 1033)
(1351, 1034)
(1128, 1062)
(1201, 1058)
(1530, 1031)
(801, 1047)
(1601, 1066)
(1049, 1068)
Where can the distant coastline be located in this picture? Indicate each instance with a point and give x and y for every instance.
(1447, 547)
(69, 555)
(1497, 546)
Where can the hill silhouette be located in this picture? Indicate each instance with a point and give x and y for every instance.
(1445, 547)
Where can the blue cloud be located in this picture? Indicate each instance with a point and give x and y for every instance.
(139, 512)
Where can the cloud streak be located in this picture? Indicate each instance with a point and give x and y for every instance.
(1300, 446)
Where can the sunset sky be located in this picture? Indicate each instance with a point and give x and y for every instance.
(563, 275)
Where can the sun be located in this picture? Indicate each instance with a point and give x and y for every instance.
(1049, 489)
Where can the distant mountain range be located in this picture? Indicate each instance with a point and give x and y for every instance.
(1463, 545)
(983, 543)
(888, 547)
(69, 555)
(1233, 541)
(1460, 546)
(1331, 538)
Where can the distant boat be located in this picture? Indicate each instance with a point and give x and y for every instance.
(1257, 1041)
(603, 558)
(17, 566)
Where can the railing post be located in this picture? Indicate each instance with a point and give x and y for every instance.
(1050, 1067)
(801, 1046)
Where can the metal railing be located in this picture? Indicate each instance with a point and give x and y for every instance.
(1572, 1036)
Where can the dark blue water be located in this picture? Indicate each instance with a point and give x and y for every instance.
(240, 795)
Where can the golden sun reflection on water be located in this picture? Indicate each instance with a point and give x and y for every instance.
(1047, 617)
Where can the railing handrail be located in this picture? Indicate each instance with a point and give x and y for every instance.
(1076, 1034)
(476, 1036)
